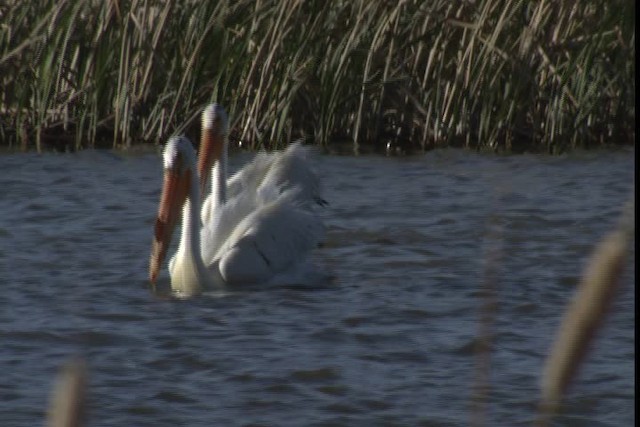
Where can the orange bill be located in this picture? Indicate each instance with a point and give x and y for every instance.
(211, 145)
(174, 194)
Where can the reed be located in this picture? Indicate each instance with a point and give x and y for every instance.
(488, 308)
(67, 403)
(584, 315)
(491, 74)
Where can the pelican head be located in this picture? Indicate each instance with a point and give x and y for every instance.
(214, 131)
(178, 158)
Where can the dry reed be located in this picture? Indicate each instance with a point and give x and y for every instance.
(67, 404)
(494, 241)
(585, 314)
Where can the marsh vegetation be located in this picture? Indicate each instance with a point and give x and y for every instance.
(489, 74)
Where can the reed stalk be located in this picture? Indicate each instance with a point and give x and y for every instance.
(485, 339)
(585, 314)
(67, 403)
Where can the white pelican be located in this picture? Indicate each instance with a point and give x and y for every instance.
(267, 242)
(266, 173)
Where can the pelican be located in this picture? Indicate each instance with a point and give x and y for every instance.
(267, 172)
(272, 239)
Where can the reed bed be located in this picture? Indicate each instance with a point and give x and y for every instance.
(487, 74)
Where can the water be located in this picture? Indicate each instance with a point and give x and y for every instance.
(389, 341)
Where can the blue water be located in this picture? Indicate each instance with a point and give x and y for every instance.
(390, 340)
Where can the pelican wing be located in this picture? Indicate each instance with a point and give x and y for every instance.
(292, 168)
(243, 183)
(222, 222)
(269, 241)
(251, 176)
(283, 170)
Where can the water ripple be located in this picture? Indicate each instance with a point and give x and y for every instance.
(392, 339)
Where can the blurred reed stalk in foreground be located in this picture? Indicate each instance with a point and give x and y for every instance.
(585, 314)
(67, 403)
(494, 241)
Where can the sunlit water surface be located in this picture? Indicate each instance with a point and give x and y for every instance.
(390, 340)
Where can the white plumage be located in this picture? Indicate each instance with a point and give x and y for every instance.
(269, 241)
(258, 180)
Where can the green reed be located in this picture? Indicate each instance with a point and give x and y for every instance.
(490, 74)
